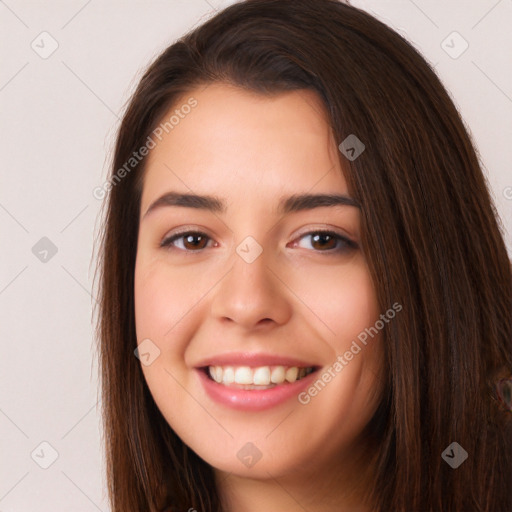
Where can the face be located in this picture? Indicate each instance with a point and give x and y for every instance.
(249, 303)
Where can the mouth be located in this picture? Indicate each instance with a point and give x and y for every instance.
(254, 381)
(256, 378)
(253, 385)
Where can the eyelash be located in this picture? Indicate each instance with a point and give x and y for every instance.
(348, 244)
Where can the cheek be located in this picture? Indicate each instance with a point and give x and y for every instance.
(152, 301)
(356, 309)
(343, 300)
(159, 305)
(163, 296)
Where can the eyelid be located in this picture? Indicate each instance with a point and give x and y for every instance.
(310, 229)
(192, 228)
(326, 229)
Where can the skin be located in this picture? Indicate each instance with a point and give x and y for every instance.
(297, 298)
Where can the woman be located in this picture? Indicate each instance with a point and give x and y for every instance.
(300, 249)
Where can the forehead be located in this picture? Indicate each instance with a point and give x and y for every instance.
(239, 141)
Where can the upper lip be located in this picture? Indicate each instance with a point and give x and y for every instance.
(253, 359)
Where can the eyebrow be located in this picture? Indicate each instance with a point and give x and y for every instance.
(293, 203)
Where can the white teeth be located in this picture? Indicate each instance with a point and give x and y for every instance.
(278, 375)
(260, 376)
(229, 375)
(243, 375)
(292, 373)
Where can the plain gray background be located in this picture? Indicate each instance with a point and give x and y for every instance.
(60, 112)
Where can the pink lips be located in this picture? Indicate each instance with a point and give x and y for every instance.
(253, 400)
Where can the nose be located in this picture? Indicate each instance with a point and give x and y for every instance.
(252, 295)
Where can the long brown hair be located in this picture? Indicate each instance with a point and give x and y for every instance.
(430, 233)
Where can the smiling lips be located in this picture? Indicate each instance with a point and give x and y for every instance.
(254, 382)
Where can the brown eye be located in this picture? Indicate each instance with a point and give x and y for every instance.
(324, 240)
(329, 241)
(192, 241)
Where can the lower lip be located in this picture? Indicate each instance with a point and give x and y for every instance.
(254, 400)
